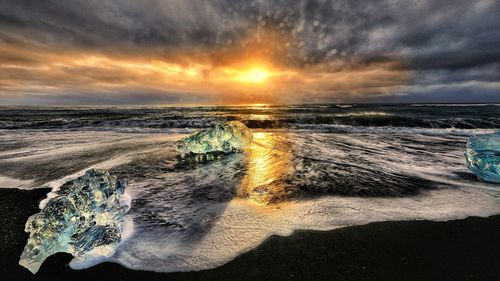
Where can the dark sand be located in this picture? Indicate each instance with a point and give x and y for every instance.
(466, 249)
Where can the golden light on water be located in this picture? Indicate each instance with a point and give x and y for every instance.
(269, 164)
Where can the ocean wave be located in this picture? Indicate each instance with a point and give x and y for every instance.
(442, 116)
(394, 130)
(454, 104)
(372, 119)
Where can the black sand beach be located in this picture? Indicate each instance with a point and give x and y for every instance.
(411, 250)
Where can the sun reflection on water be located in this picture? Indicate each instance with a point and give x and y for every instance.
(269, 165)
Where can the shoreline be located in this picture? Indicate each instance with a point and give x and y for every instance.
(465, 249)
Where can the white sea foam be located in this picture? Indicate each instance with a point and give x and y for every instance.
(244, 225)
(8, 182)
(364, 113)
(394, 130)
(456, 104)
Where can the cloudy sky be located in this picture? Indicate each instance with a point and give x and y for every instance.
(242, 51)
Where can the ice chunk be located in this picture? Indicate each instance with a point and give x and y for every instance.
(483, 156)
(85, 219)
(230, 136)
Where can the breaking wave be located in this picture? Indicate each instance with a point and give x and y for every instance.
(459, 116)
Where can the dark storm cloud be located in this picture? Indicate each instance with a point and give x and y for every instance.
(104, 23)
(459, 33)
(448, 44)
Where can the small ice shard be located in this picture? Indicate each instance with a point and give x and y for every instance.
(85, 219)
(228, 137)
(483, 156)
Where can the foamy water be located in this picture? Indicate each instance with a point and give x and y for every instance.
(191, 215)
(243, 225)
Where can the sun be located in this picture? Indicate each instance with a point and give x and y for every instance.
(255, 75)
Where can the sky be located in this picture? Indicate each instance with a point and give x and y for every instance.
(247, 52)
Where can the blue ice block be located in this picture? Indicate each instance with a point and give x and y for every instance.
(483, 156)
(227, 137)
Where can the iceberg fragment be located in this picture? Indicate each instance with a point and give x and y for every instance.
(227, 137)
(483, 156)
(85, 219)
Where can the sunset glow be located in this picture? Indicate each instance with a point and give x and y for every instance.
(233, 53)
(254, 75)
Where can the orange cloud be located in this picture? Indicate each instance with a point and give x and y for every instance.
(255, 70)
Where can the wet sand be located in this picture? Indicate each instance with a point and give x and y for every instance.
(465, 249)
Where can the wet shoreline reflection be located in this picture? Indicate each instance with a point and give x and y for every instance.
(268, 168)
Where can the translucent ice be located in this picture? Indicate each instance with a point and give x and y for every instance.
(227, 137)
(85, 219)
(483, 156)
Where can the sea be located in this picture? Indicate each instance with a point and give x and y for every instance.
(310, 167)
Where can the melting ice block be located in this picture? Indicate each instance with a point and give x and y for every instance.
(483, 156)
(85, 219)
(227, 137)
